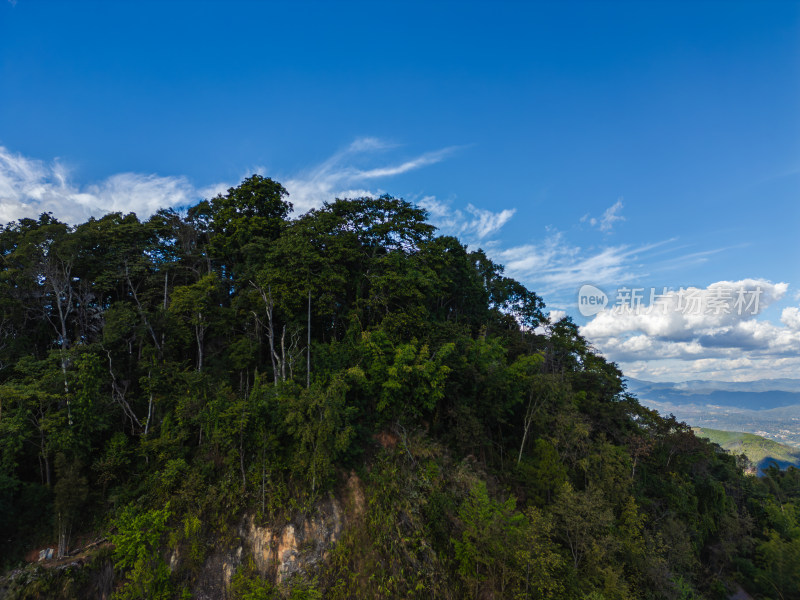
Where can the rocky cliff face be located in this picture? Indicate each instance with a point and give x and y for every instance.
(280, 552)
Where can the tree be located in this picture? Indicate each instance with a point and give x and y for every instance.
(319, 421)
(485, 552)
(199, 306)
(509, 297)
(137, 552)
(540, 566)
(242, 224)
(583, 519)
(535, 390)
(70, 492)
(406, 381)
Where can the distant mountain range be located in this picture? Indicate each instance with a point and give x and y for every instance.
(766, 407)
(702, 386)
(763, 394)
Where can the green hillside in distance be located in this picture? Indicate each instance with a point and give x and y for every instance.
(759, 450)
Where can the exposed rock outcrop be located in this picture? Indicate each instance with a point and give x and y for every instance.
(279, 553)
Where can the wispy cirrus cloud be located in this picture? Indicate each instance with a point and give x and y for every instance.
(610, 216)
(338, 176)
(557, 267)
(29, 187)
(472, 224)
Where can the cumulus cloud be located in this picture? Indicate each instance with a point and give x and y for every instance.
(685, 313)
(733, 368)
(791, 317)
(29, 187)
(610, 216)
(717, 329)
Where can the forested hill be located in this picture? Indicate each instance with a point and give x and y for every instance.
(163, 381)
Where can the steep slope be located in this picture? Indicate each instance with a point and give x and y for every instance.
(202, 389)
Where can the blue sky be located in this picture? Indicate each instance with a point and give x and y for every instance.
(638, 144)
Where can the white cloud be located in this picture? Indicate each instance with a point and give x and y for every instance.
(338, 177)
(688, 313)
(486, 222)
(555, 267)
(424, 160)
(610, 216)
(791, 317)
(474, 225)
(215, 189)
(29, 187)
(735, 368)
(677, 338)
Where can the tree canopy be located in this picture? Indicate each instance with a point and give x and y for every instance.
(161, 378)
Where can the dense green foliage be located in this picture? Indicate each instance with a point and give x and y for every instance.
(160, 379)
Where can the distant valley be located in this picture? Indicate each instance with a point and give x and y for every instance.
(767, 407)
(762, 452)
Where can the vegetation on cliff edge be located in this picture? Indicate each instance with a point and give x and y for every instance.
(161, 378)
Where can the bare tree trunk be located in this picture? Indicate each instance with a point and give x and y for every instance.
(272, 353)
(241, 461)
(62, 535)
(530, 413)
(283, 354)
(141, 310)
(200, 331)
(524, 437)
(149, 414)
(268, 307)
(63, 345)
(164, 306)
(118, 395)
(66, 385)
(60, 282)
(166, 285)
(46, 463)
(308, 343)
(263, 483)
